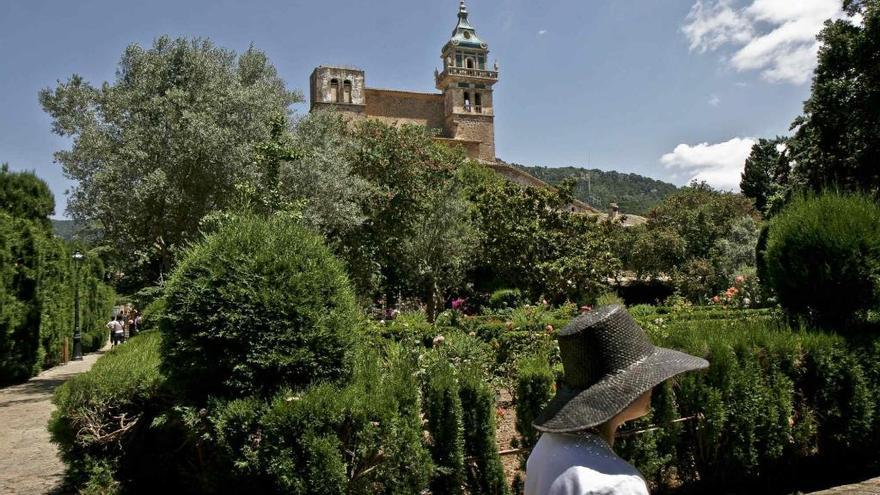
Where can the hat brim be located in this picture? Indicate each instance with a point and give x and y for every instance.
(578, 409)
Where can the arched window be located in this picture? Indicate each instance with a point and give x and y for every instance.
(470, 63)
(346, 95)
(334, 90)
(478, 102)
(467, 101)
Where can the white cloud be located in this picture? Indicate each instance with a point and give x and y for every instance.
(720, 164)
(542, 32)
(776, 37)
(708, 28)
(714, 100)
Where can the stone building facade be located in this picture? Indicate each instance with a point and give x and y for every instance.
(462, 113)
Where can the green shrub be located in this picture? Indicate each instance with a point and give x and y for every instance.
(485, 473)
(460, 351)
(100, 413)
(363, 438)
(534, 388)
(37, 278)
(409, 326)
(152, 315)
(609, 298)
(505, 299)
(823, 257)
(443, 410)
(258, 305)
(778, 408)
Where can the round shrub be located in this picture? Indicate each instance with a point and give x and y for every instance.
(823, 257)
(258, 305)
(505, 299)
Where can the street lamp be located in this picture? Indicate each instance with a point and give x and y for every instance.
(77, 331)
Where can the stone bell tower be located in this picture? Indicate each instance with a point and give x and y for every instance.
(466, 82)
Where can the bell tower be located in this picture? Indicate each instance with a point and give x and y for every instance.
(467, 84)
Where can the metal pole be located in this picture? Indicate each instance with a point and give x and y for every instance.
(77, 330)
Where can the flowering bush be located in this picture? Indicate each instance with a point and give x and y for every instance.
(746, 292)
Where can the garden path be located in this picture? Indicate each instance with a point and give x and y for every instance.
(869, 487)
(29, 462)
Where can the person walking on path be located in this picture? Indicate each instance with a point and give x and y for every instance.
(610, 369)
(117, 331)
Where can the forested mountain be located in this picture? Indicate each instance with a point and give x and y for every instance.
(636, 194)
(63, 228)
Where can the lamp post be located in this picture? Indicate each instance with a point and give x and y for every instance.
(77, 331)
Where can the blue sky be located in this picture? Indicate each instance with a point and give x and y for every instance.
(671, 89)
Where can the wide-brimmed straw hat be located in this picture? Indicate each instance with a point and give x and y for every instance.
(608, 362)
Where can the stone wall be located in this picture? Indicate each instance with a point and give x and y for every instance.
(474, 127)
(321, 89)
(403, 107)
(471, 148)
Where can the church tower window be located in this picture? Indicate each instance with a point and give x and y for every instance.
(470, 63)
(346, 95)
(478, 102)
(467, 101)
(334, 90)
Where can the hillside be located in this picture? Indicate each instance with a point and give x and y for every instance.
(63, 228)
(636, 194)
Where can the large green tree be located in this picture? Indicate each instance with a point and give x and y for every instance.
(837, 140)
(699, 237)
(766, 174)
(531, 241)
(24, 195)
(164, 144)
(390, 253)
(306, 170)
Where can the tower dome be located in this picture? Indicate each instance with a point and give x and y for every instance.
(464, 34)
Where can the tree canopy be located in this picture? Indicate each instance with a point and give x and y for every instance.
(837, 140)
(163, 144)
(24, 195)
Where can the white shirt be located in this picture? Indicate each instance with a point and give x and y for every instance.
(583, 464)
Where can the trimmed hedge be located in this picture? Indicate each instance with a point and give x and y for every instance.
(535, 386)
(459, 405)
(37, 299)
(102, 414)
(259, 305)
(779, 408)
(823, 257)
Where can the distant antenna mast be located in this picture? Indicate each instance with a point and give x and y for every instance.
(589, 179)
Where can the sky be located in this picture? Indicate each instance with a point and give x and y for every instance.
(671, 89)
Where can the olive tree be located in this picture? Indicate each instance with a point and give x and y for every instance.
(165, 143)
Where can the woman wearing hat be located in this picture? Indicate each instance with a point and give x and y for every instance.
(610, 368)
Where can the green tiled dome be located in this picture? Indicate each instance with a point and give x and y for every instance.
(464, 34)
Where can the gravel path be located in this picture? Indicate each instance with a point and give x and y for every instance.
(29, 463)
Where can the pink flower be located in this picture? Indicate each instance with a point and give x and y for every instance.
(457, 303)
(716, 299)
(549, 328)
(740, 279)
